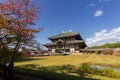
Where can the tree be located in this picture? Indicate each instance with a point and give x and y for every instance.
(16, 20)
(34, 46)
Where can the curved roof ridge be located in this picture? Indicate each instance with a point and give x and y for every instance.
(65, 34)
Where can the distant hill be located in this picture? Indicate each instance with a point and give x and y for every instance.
(107, 45)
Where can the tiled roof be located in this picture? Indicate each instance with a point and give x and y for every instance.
(69, 42)
(65, 34)
(75, 41)
(49, 44)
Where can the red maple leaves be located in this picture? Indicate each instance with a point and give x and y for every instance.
(19, 16)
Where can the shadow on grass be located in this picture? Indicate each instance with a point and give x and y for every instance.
(64, 72)
(28, 59)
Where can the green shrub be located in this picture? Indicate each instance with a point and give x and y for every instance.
(103, 72)
(110, 73)
(97, 52)
(85, 68)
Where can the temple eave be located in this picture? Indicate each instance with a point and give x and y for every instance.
(67, 41)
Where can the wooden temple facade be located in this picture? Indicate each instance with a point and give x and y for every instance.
(66, 42)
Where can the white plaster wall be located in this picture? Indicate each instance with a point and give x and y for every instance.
(53, 50)
(72, 50)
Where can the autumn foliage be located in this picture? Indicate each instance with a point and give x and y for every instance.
(17, 17)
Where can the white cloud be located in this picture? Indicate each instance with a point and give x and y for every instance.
(98, 13)
(104, 36)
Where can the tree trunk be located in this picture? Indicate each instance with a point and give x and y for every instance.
(7, 71)
(10, 71)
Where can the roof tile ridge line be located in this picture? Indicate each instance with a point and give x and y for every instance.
(75, 33)
(55, 35)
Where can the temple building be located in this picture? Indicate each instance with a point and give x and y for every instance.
(66, 41)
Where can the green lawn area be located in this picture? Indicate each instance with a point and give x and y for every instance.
(57, 63)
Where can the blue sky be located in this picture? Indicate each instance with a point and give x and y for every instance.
(95, 20)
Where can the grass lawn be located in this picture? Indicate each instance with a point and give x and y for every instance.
(55, 63)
